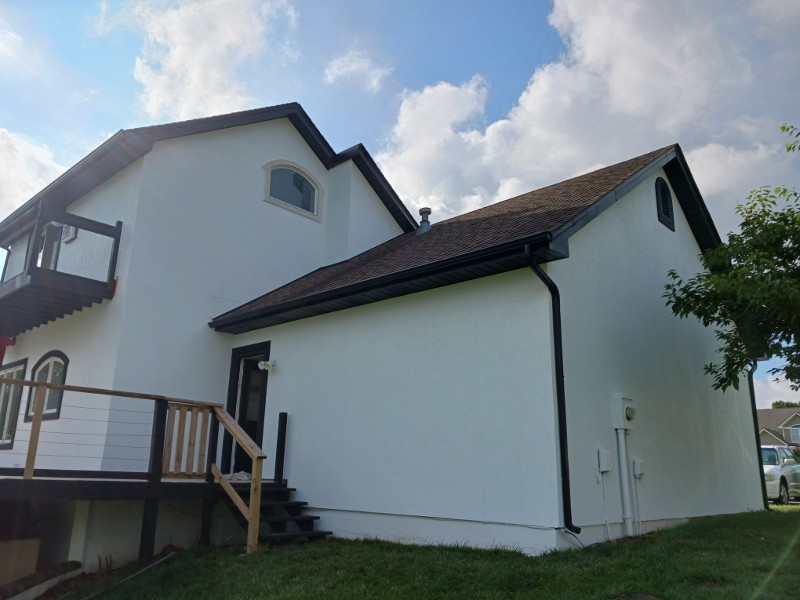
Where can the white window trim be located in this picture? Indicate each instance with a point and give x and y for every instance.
(286, 164)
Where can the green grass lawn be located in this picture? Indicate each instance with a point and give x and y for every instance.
(747, 556)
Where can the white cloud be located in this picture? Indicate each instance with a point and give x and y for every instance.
(193, 48)
(768, 391)
(357, 67)
(11, 47)
(25, 168)
(635, 76)
(19, 58)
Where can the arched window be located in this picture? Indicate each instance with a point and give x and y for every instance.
(664, 204)
(10, 396)
(51, 368)
(290, 187)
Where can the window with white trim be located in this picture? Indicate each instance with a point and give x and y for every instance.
(290, 187)
(10, 396)
(51, 368)
(794, 434)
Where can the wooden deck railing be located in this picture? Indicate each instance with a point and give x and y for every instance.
(183, 443)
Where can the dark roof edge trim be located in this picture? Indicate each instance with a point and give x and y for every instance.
(693, 200)
(588, 214)
(87, 162)
(132, 144)
(539, 241)
(676, 168)
(375, 177)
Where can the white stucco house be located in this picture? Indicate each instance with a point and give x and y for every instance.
(508, 377)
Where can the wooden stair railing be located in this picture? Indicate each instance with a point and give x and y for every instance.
(183, 444)
(253, 512)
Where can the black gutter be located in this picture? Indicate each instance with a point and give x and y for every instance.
(483, 255)
(561, 403)
(750, 373)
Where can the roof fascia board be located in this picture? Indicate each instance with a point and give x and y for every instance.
(127, 146)
(787, 419)
(541, 241)
(90, 161)
(683, 184)
(691, 201)
(375, 177)
(587, 215)
(768, 432)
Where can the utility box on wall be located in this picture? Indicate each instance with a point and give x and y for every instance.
(623, 413)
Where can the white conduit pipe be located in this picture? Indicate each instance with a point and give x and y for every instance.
(624, 482)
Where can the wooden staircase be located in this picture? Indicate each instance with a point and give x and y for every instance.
(281, 518)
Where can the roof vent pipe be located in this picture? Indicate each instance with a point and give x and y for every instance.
(425, 225)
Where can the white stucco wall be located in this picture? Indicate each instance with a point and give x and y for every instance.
(198, 239)
(620, 340)
(370, 223)
(425, 418)
(356, 220)
(207, 241)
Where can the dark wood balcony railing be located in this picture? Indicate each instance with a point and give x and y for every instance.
(43, 287)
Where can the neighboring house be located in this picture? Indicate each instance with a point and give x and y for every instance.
(779, 426)
(506, 377)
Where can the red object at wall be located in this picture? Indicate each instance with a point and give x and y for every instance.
(4, 342)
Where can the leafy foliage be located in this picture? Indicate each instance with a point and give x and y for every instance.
(750, 290)
(785, 404)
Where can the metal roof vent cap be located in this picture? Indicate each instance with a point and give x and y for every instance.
(425, 225)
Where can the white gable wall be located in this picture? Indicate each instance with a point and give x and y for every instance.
(207, 242)
(368, 223)
(356, 220)
(198, 239)
(428, 417)
(621, 340)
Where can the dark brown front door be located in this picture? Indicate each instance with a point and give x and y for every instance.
(247, 401)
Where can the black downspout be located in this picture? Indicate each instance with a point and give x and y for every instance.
(561, 404)
(750, 373)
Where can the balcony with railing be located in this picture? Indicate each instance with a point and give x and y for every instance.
(57, 264)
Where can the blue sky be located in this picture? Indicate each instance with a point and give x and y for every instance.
(462, 104)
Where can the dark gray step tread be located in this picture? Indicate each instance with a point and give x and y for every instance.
(266, 488)
(284, 503)
(289, 518)
(292, 535)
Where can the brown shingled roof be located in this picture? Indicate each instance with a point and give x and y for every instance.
(771, 419)
(536, 216)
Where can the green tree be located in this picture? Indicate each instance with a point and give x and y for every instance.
(785, 404)
(750, 288)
